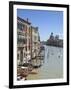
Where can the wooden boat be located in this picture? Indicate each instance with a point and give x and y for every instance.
(22, 71)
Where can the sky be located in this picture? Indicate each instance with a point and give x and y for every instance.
(47, 21)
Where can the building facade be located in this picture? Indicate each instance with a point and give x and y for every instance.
(35, 41)
(28, 41)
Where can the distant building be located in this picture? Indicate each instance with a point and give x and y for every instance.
(55, 41)
(57, 37)
(51, 36)
(27, 41)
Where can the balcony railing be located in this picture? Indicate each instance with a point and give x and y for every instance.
(19, 31)
(21, 45)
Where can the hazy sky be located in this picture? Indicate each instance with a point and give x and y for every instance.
(46, 21)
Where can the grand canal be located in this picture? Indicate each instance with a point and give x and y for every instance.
(52, 66)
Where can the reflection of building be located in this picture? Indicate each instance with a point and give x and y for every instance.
(28, 42)
(55, 41)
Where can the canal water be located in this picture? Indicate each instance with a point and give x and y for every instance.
(52, 67)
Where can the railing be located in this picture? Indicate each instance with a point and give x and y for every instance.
(20, 45)
(19, 31)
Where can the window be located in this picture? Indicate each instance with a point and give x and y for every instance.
(21, 39)
(18, 56)
(21, 26)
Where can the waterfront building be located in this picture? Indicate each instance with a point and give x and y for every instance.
(28, 41)
(54, 41)
(57, 37)
(23, 27)
(35, 41)
(51, 36)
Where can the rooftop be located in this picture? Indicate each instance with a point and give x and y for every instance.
(22, 20)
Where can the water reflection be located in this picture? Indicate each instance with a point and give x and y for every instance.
(52, 65)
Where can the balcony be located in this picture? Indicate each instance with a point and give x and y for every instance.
(20, 32)
(19, 45)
